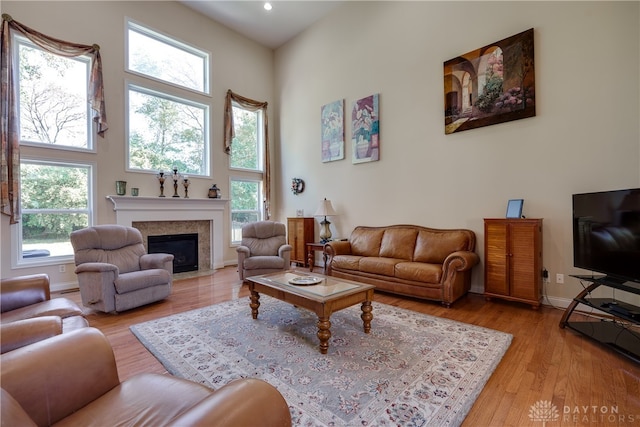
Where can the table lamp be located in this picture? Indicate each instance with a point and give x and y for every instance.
(325, 209)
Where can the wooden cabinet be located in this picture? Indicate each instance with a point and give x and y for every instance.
(300, 231)
(513, 260)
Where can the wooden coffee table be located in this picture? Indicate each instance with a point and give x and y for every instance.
(324, 298)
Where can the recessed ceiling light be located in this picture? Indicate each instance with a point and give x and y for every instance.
(267, 6)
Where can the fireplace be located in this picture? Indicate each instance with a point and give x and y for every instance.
(184, 248)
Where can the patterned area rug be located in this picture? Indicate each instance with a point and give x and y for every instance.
(411, 370)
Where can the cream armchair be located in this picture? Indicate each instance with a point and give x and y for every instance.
(264, 249)
(114, 271)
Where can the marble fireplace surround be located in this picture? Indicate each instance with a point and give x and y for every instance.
(175, 210)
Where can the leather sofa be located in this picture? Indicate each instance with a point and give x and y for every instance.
(411, 260)
(30, 315)
(72, 380)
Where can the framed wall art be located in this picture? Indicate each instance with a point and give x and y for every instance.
(365, 128)
(332, 128)
(490, 85)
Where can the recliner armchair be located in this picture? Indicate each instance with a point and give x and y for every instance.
(263, 249)
(114, 271)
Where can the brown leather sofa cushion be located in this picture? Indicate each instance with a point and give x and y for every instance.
(434, 247)
(366, 241)
(398, 243)
(419, 272)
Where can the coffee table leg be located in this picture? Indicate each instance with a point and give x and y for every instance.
(324, 333)
(255, 304)
(366, 316)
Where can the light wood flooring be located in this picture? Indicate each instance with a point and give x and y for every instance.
(596, 386)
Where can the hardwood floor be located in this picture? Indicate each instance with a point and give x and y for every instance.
(588, 384)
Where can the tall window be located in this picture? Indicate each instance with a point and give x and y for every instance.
(247, 155)
(55, 199)
(54, 112)
(54, 108)
(248, 145)
(167, 106)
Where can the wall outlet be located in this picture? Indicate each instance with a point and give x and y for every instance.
(545, 276)
(62, 268)
(559, 278)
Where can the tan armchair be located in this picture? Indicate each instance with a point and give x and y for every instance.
(30, 315)
(114, 271)
(72, 380)
(263, 249)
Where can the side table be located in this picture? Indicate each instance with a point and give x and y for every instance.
(313, 247)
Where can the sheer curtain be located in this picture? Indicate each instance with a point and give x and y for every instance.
(229, 133)
(9, 132)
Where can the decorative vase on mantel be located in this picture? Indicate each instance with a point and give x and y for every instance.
(214, 192)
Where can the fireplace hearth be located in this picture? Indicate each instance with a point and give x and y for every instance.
(184, 248)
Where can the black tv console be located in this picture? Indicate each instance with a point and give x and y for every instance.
(618, 335)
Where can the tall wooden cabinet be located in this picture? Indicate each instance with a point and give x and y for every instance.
(300, 231)
(513, 260)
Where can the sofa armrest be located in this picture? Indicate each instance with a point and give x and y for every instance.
(158, 260)
(460, 261)
(24, 332)
(242, 402)
(80, 367)
(17, 292)
(337, 247)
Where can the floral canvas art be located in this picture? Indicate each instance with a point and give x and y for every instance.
(365, 139)
(332, 126)
(490, 85)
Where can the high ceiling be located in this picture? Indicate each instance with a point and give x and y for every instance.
(269, 28)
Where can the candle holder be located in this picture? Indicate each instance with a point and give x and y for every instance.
(185, 182)
(161, 179)
(176, 177)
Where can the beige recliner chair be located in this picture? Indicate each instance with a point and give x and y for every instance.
(114, 271)
(263, 249)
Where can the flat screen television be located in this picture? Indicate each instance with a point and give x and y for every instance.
(606, 233)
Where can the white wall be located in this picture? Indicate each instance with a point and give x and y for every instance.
(585, 136)
(237, 64)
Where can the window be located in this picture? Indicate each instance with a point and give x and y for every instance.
(247, 147)
(167, 107)
(164, 58)
(246, 206)
(166, 131)
(54, 107)
(56, 198)
(247, 155)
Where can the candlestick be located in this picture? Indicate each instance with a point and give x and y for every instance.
(186, 183)
(161, 179)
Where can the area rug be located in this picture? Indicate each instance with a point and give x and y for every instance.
(411, 370)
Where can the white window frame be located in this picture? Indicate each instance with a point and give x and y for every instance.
(146, 30)
(129, 85)
(18, 41)
(261, 146)
(157, 87)
(17, 260)
(260, 211)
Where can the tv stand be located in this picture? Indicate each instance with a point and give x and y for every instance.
(619, 336)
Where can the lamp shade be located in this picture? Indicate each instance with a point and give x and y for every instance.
(325, 209)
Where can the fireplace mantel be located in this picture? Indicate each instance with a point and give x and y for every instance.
(131, 209)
